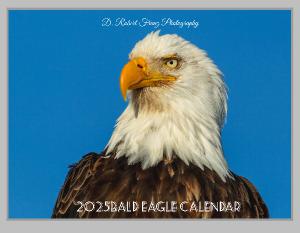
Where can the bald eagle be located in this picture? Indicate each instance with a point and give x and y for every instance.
(166, 146)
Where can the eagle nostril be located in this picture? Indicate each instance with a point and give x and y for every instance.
(140, 66)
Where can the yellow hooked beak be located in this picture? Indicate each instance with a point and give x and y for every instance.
(135, 74)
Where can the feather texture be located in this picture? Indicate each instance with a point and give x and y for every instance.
(98, 178)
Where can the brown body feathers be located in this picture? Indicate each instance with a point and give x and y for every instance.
(96, 178)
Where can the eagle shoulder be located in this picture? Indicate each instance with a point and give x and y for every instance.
(75, 185)
(252, 199)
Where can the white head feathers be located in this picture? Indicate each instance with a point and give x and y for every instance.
(183, 119)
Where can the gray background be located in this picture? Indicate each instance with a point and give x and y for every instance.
(146, 225)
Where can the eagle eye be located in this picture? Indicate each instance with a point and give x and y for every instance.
(172, 63)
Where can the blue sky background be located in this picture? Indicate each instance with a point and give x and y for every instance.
(64, 95)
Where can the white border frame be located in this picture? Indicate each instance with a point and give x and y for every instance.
(37, 225)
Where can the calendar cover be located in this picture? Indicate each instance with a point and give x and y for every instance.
(149, 114)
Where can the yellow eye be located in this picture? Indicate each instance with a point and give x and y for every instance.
(173, 63)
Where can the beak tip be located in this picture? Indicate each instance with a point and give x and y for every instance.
(130, 75)
(124, 95)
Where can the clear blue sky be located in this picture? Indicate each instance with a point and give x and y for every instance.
(64, 95)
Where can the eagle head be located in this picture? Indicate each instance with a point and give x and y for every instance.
(177, 105)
